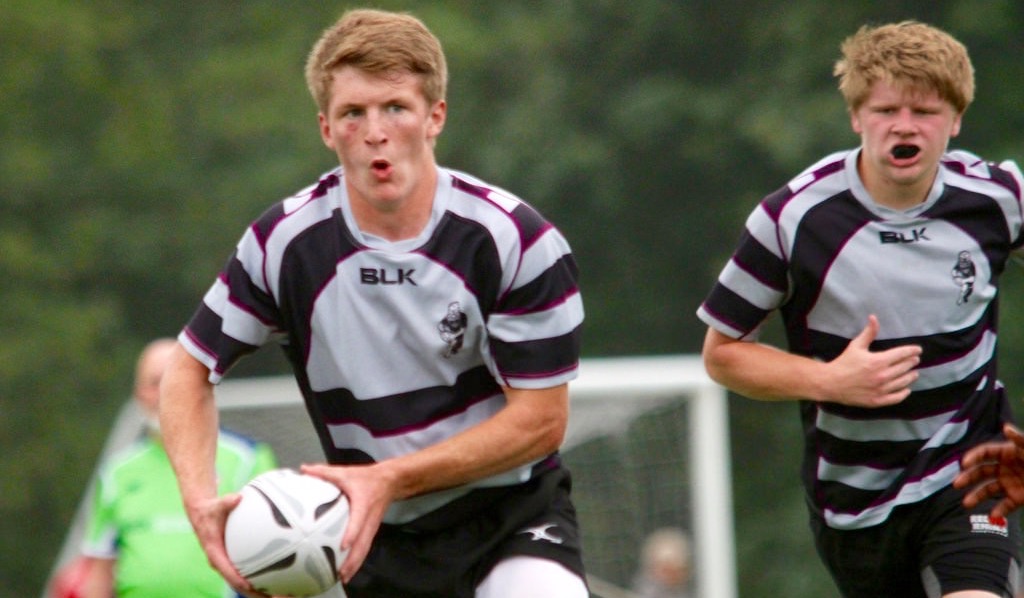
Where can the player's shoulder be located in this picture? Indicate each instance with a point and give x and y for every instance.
(822, 179)
(827, 166)
(314, 196)
(487, 195)
(964, 163)
(492, 205)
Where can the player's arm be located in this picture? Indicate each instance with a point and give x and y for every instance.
(531, 426)
(188, 424)
(856, 377)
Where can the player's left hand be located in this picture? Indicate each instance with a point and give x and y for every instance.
(208, 518)
(369, 495)
(995, 470)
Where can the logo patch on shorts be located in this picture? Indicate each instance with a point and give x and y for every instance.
(983, 524)
(541, 532)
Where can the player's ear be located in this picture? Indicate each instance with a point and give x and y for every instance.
(325, 130)
(855, 122)
(955, 130)
(438, 115)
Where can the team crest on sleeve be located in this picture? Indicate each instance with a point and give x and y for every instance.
(452, 328)
(963, 275)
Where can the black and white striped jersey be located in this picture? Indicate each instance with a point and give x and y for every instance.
(826, 256)
(397, 346)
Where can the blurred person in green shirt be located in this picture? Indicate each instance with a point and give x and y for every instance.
(138, 539)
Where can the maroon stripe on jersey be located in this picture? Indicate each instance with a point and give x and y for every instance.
(307, 266)
(204, 330)
(974, 213)
(404, 412)
(824, 231)
(760, 264)
(538, 358)
(552, 288)
(997, 174)
(530, 223)
(466, 248)
(732, 309)
(246, 296)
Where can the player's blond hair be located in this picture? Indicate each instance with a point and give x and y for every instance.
(909, 55)
(377, 42)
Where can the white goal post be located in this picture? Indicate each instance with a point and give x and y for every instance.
(648, 445)
(621, 388)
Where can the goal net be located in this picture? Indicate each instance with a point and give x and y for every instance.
(647, 444)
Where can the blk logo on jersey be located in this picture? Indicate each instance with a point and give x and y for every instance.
(915, 236)
(452, 328)
(385, 276)
(963, 276)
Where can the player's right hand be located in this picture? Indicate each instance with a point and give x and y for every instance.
(209, 518)
(866, 378)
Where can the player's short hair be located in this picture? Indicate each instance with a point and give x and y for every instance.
(910, 55)
(377, 42)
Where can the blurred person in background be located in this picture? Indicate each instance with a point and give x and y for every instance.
(70, 580)
(665, 565)
(138, 540)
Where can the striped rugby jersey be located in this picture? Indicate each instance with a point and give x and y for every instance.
(826, 256)
(397, 346)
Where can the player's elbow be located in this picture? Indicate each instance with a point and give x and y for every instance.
(548, 434)
(540, 416)
(718, 372)
(716, 356)
(552, 438)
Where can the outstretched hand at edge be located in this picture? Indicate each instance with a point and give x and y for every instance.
(995, 470)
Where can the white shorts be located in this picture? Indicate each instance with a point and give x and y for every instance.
(531, 576)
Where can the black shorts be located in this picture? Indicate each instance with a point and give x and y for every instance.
(924, 550)
(449, 553)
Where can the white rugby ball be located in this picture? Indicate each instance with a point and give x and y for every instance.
(285, 534)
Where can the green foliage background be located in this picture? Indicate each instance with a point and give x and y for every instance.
(139, 137)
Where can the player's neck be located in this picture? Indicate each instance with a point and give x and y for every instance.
(397, 226)
(400, 219)
(894, 195)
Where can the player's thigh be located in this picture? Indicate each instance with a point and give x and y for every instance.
(531, 576)
(967, 554)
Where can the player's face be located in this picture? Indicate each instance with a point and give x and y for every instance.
(383, 131)
(903, 135)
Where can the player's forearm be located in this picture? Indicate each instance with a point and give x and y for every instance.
(188, 424)
(762, 372)
(530, 427)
